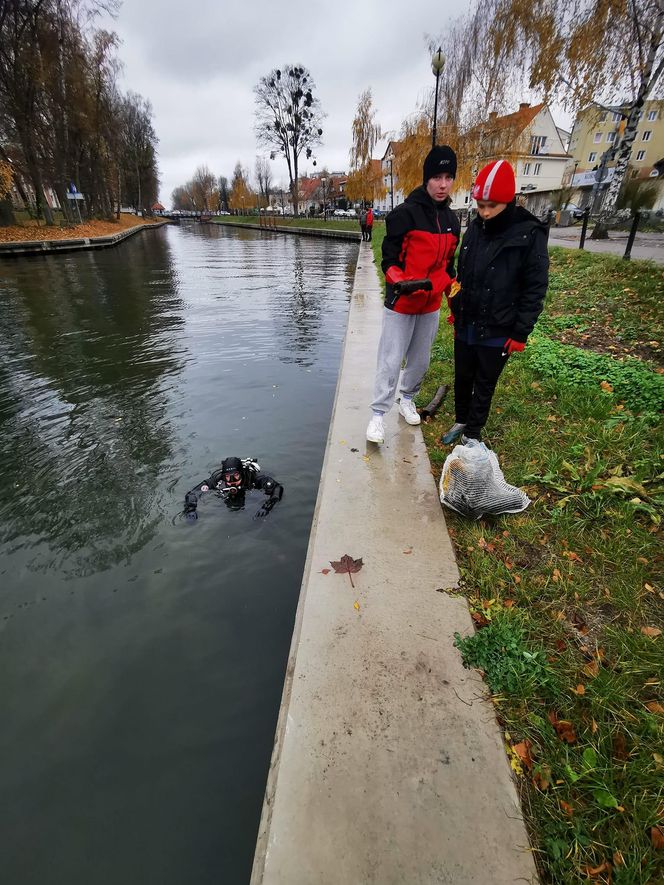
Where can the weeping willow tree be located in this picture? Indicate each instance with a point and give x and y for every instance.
(365, 178)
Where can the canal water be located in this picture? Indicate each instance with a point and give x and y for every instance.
(142, 657)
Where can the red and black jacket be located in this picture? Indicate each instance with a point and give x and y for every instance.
(420, 243)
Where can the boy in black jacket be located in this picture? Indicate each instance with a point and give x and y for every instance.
(503, 271)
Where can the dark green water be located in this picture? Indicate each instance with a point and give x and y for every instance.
(141, 662)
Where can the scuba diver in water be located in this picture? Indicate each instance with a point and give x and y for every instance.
(234, 478)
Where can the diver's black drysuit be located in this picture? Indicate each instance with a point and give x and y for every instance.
(235, 477)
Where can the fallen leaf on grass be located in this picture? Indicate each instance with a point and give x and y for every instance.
(657, 838)
(606, 386)
(542, 777)
(478, 619)
(651, 631)
(347, 565)
(655, 707)
(595, 871)
(580, 689)
(522, 750)
(619, 747)
(567, 808)
(563, 728)
(618, 859)
(591, 669)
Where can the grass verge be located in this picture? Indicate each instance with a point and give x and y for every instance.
(568, 596)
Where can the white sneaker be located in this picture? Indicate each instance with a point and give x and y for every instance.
(376, 430)
(409, 412)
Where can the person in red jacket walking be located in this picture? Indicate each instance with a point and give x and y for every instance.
(369, 223)
(418, 262)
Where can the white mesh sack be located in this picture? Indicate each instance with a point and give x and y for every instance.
(473, 484)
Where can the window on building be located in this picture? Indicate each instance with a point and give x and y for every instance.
(526, 168)
(537, 144)
(617, 117)
(610, 137)
(646, 135)
(598, 137)
(652, 115)
(602, 118)
(537, 169)
(641, 155)
(592, 156)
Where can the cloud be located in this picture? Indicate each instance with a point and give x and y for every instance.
(198, 62)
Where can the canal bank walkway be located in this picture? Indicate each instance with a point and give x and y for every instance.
(388, 763)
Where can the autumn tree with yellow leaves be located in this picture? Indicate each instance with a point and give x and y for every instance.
(241, 197)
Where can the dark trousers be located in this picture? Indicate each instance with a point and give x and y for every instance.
(369, 230)
(476, 373)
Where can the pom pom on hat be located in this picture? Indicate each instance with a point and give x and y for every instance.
(495, 182)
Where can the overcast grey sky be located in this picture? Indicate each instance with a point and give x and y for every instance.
(198, 61)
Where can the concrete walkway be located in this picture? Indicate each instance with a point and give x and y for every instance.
(388, 764)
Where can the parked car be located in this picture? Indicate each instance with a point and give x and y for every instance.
(576, 211)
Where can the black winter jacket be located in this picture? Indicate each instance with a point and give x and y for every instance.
(420, 241)
(504, 274)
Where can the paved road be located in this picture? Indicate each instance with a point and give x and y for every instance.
(646, 245)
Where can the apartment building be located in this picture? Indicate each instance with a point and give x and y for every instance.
(596, 130)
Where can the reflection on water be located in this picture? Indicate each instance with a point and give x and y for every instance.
(141, 662)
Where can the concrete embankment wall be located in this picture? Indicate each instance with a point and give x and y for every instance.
(328, 232)
(49, 247)
(388, 763)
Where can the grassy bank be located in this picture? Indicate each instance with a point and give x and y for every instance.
(330, 224)
(568, 596)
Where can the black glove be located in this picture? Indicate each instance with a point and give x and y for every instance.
(407, 287)
(265, 508)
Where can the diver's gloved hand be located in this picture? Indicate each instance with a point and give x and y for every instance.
(265, 508)
(190, 505)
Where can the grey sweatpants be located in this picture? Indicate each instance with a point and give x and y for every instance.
(404, 336)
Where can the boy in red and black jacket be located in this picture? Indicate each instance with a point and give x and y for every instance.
(421, 237)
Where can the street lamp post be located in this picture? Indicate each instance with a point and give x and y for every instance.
(437, 65)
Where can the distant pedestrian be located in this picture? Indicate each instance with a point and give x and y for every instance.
(363, 223)
(369, 223)
(421, 237)
(504, 274)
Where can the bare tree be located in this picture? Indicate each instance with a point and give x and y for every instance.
(203, 187)
(264, 179)
(288, 118)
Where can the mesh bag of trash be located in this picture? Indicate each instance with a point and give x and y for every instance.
(473, 484)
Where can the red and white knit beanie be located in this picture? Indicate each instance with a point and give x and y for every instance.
(495, 182)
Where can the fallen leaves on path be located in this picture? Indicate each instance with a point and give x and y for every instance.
(93, 228)
(347, 566)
